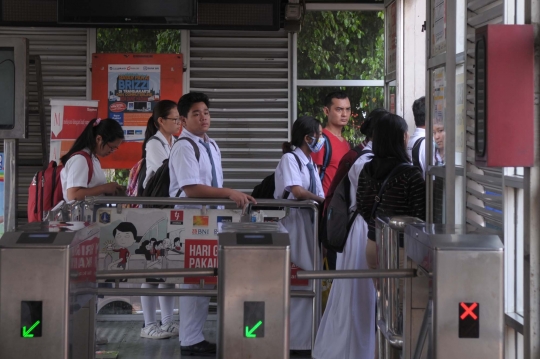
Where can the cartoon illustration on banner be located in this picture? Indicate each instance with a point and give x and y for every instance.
(133, 92)
(166, 239)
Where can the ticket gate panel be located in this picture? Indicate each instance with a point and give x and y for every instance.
(40, 282)
(466, 286)
(47, 290)
(253, 295)
(468, 305)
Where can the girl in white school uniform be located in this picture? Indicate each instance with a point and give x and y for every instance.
(347, 329)
(300, 182)
(99, 139)
(158, 141)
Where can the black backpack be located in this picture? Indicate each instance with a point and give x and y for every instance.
(158, 185)
(142, 169)
(267, 187)
(416, 152)
(327, 156)
(338, 210)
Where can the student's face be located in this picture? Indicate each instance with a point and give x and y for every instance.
(104, 149)
(339, 112)
(198, 119)
(310, 139)
(124, 239)
(170, 124)
(439, 135)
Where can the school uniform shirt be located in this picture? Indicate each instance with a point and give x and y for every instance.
(346, 328)
(418, 134)
(300, 227)
(184, 168)
(156, 153)
(339, 149)
(75, 173)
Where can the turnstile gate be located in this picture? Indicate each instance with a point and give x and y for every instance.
(463, 274)
(253, 291)
(47, 293)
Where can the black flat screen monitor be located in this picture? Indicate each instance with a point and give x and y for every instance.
(128, 12)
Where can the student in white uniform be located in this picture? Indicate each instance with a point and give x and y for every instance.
(419, 112)
(300, 182)
(99, 139)
(201, 178)
(158, 141)
(348, 331)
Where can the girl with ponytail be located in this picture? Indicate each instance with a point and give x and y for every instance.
(157, 145)
(99, 138)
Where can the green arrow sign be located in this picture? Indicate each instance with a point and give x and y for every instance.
(249, 333)
(26, 333)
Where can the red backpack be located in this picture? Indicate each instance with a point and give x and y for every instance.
(45, 191)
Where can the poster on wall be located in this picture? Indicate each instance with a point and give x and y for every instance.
(134, 90)
(438, 36)
(68, 120)
(1, 193)
(128, 86)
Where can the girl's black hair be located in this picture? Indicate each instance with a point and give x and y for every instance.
(162, 109)
(177, 239)
(305, 125)
(369, 123)
(389, 138)
(109, 130)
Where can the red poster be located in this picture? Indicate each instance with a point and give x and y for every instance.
(72, 125)
(294, 276)
(84, 260)
(201, 253)
(128, 86)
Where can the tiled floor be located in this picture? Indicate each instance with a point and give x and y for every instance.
(124, 337)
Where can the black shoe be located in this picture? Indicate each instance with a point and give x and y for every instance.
(300, 353)
(203, 347)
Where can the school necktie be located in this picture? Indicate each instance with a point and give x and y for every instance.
(312, 179)
(214, 177)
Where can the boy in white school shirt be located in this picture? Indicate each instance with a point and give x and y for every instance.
(201, 178)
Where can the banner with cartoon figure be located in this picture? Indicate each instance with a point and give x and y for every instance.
(165, 239)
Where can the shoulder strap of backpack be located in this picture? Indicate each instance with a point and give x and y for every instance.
(89, 162)
(416, 152)
(327, 155)
(159, 139)
(195, 146)
(402, 167)
(286, 193)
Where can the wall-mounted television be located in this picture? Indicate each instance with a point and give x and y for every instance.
(169, 13)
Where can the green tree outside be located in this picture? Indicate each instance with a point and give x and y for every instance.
(341, 45)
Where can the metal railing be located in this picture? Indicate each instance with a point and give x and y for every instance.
(389, 233)
(94, 203)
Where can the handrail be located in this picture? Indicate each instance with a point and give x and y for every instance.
(162, 273)
(360, 273)
(157, 292)
(395, 340)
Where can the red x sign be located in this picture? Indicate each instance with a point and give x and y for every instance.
(468, 310)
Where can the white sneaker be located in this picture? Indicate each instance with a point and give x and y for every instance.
(171, 328)
(154, 332)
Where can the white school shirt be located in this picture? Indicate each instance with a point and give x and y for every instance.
(75, 173)
(354, 173)
(288, 174)
(184, 168)
(156, 153)
(418, 133)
